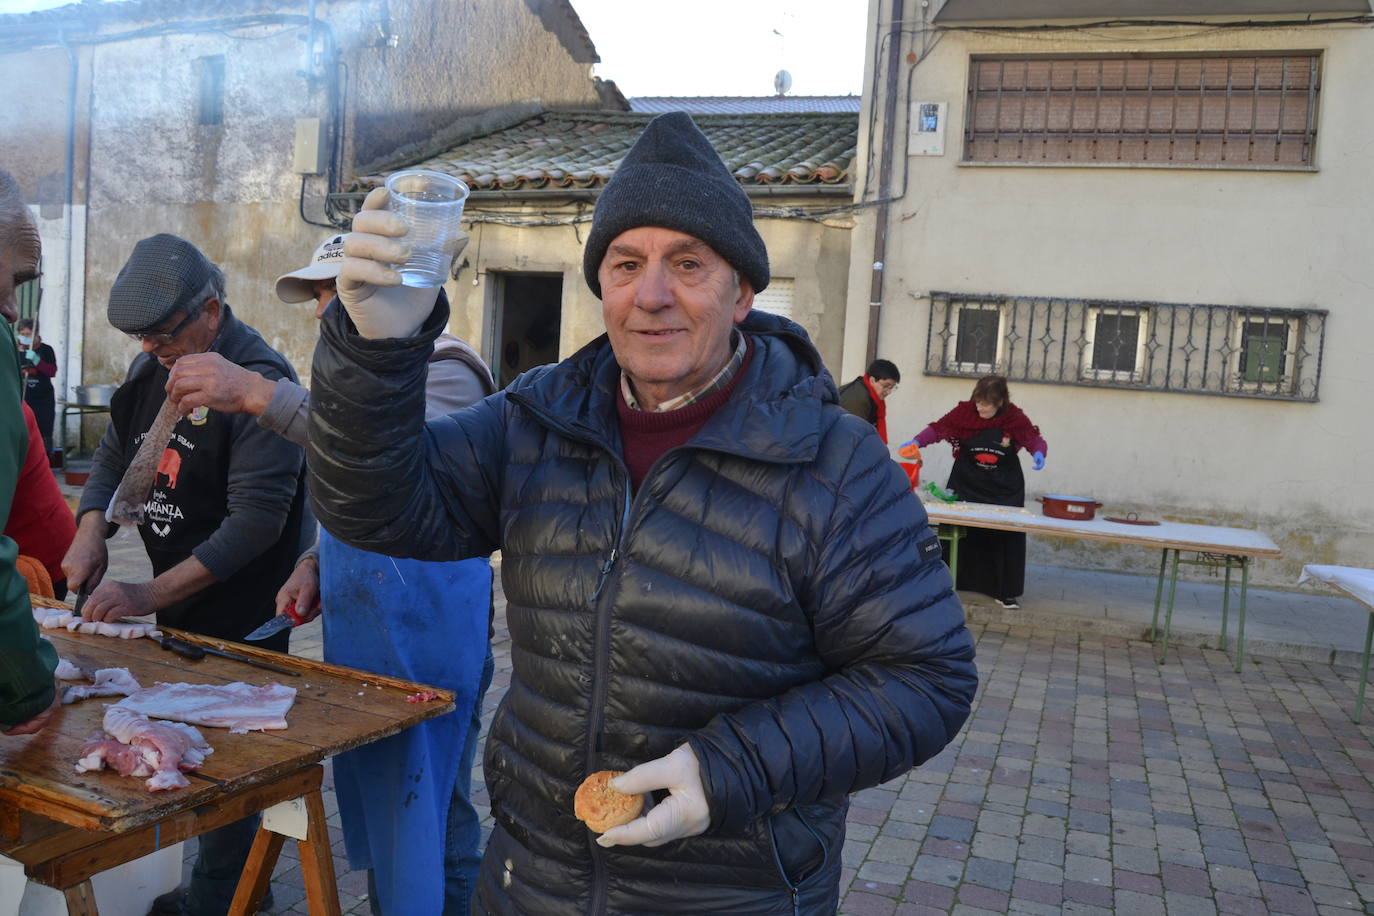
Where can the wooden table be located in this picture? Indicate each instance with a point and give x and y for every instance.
(65, 826)
(1230, 548)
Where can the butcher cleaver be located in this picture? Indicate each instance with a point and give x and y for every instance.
(287, 618)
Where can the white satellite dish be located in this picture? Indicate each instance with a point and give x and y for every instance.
(782, 82)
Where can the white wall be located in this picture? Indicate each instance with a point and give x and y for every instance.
(1299, 471)
(814, 255)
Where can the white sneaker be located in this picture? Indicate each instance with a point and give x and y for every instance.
(1010, 604)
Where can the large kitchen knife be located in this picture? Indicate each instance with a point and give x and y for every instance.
(195, 652)
(287, 618)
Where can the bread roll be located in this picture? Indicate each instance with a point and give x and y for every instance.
(601, 807)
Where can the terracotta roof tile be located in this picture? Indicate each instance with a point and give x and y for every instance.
(582, 150)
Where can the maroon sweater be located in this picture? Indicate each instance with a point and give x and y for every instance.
(645, 435)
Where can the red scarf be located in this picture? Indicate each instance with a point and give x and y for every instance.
(881, 422)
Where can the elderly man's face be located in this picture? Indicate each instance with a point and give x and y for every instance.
(669, 302)
(183, 334)
(20, 250)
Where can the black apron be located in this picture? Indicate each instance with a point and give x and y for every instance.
(188, 502)
(989, 471)
(38, 394)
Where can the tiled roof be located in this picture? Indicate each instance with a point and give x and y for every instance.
(582, 150)
(745, 104)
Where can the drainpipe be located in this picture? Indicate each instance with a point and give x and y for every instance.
(894, 63)
(69, 221)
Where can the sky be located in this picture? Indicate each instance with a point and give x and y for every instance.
(708, 47)
(726, 47)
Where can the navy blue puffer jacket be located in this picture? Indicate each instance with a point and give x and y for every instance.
(772, 595)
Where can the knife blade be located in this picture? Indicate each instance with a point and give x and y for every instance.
(194, 651)
(287, 618)
(82, 594)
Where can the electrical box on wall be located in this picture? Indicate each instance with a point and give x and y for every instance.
(311, 147)
(928, 128)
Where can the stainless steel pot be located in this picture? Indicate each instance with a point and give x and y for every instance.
(94, 395)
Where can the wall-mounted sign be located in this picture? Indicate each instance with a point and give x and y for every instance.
(928, 128)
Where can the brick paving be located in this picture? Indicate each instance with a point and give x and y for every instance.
(1091, 779)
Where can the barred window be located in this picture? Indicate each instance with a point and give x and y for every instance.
(1201, 349)
(1223, 110)
(1114, 343)
(1263, 356)
(976, 336)
(30, 296)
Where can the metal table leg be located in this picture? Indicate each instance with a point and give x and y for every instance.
(1240, 629)
(1364, 669)
(1169, 614)
(1159, 592)
(957, 536)
(1225, 603)
(952, 534)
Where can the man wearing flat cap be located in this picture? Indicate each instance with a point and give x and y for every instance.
(224, 520)
(716, 578)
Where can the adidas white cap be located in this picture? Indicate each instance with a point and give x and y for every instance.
(298, 286)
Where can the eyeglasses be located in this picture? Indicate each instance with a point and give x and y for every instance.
(161, 338)
(886, 386)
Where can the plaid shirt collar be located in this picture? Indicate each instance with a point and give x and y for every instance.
(719, 381)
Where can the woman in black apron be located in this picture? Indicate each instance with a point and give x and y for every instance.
(986, 431)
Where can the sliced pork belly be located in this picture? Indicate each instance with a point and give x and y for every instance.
(51, 618)
(107, 682)
(66, 671)
(238, 707)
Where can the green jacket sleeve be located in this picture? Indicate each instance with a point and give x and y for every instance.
(854, 398)
(26, 660)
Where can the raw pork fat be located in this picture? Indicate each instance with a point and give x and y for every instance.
(137, 747)
(107, 682)
(238, 707)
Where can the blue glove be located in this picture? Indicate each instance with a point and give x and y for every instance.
(1038, 461)
(32, 356)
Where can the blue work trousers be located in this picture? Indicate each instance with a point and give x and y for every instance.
(462, 847)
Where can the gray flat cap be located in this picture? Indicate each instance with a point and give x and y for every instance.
(164, 275)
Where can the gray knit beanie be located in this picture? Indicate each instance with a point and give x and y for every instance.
(164, 275)
(673, 178)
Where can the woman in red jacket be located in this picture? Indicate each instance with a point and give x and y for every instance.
(986, 432)
(40, 521)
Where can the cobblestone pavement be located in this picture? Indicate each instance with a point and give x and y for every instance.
(1092, 780)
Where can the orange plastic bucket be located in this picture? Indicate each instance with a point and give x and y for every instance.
(913, 471)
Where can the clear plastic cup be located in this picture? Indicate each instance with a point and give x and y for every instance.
(431, 203)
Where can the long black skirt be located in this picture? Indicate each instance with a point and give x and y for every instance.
(992, 562)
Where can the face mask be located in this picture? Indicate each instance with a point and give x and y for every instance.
(26, 341)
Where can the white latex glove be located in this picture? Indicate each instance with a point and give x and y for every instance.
(368, 287)
(682, 814)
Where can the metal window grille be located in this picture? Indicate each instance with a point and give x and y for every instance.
(1150, 346)
(30, 296)
(1114, 345)
(1234, 111)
